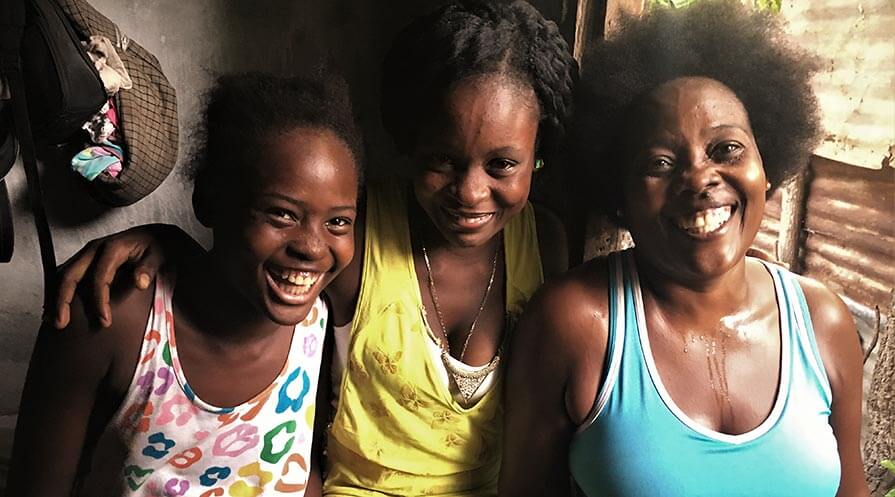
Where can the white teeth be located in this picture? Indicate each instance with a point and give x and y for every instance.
(472, 218)
(296, 278)
(706, 221)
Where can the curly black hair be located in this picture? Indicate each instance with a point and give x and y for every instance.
(745, 50)
(469, 38)
(244, 108)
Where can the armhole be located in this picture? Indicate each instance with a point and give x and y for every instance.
(361, 305)
(616, 339)
(805, 331)
(522, 254)
(536, 246)
(162, 289)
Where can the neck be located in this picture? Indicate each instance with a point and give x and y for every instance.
(702, 300)
(213, 307)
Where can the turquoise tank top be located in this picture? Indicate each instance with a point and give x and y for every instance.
(637, 442)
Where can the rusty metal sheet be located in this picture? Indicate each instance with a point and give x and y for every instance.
(855, 87)
(849, 231)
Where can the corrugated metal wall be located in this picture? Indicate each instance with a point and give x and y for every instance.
(849, 232)
(854, 42)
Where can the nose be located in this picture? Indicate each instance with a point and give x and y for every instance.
(306, 243)
(698, 175)
(471, 185)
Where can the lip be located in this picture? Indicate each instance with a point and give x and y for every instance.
(289, 293)
(464, 220)
(722, 230)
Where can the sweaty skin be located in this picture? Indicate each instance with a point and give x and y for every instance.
(694, 158)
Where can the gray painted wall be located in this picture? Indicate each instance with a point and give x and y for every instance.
(194, 41)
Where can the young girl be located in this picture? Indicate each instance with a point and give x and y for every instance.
(228, 406)
(477, 95)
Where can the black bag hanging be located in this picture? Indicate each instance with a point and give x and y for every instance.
(56, 88)
(14, 14)
(58, 72)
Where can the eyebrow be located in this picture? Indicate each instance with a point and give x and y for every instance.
(662, 141)
(727, 126)
(506, 150)
(300, 204)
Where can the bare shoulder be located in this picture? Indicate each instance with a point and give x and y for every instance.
(829, 314)
(579, 293)
(565, 331)
(115, 349)
(552, 242)
(834, 329)
(569, 311)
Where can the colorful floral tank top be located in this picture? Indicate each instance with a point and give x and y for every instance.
(179, 445)
(398, 430)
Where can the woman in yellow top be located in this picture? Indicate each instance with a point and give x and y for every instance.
(477, 95)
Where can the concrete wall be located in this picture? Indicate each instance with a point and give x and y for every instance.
(194, 40)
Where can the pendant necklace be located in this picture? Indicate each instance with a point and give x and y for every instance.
(467, 382)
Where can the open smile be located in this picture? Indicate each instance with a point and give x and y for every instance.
(468, 220)
(292, 286)
(706, 223)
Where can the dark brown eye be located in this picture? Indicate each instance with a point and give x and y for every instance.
(281, 215)
(726, 151)
(340, 225)
(439, 162)
(502, 165)
(659, 165)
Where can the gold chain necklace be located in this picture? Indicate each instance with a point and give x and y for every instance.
(467, 381)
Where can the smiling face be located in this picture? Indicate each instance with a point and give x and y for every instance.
(290, 227)
(476, 156)
(694, 187)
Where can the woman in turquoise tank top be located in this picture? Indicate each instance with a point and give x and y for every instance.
(682, 367)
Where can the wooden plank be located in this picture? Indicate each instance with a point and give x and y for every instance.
(792, 214)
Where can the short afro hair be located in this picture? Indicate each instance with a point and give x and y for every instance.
(243, 109)
(745, 50)
(473, 37)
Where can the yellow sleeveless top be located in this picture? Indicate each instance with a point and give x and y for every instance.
(398, 429)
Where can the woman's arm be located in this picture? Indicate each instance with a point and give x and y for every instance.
(146, 247)
(60, 392)
(840, 350)
(321, 415)
(554, 369)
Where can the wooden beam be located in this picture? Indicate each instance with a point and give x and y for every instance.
(792, 220)
(589, 22)
(616, 9)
